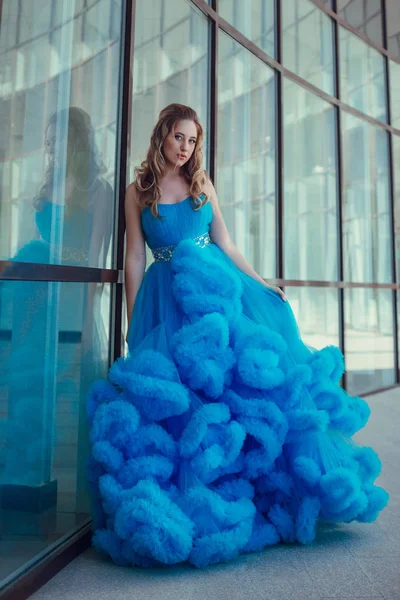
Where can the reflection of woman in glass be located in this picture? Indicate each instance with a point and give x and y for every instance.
(221, 432)
(82, 196)
(73, 216)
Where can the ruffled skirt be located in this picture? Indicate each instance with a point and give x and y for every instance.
(221, 432)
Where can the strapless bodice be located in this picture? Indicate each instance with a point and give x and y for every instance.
(75, 226)
(179, 221)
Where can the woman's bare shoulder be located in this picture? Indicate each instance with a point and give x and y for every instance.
(131, 191)
(209, 188)
(132, 197)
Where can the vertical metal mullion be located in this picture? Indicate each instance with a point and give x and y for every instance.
(384, 25)
(384, 29)
(213, 115)
(280, 146)
(339, 150)
(123, 137)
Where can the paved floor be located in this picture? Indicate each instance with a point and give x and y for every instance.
(349, 561)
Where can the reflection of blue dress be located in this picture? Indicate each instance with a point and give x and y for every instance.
(35, 358)
(221, 432)
(74, 229)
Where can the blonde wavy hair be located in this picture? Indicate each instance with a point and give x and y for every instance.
(83, 160)
(148, 176)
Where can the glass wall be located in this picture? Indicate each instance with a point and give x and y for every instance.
(369, 339)
(392, 8)
(308, 48)
(59, 79)
(362, 76)
(366, 16)
(317, 311)
(246, 162)
(366, 208)
(310, 186)
(367, 255)
(394, 72)
(53, 344)
(254, 18)
(58, 110)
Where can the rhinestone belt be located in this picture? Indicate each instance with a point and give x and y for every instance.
(164, 253)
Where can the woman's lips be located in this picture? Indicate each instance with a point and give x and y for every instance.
(182, 156)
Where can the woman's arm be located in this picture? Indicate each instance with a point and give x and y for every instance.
(135, 254)
(220, 236)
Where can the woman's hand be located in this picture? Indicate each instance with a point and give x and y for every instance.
(277, 290)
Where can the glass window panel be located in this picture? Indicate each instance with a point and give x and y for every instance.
(8, 36)
(96, 26)
(34, 19)
(246, 153)
(362, 76)
(254, 18)
(171, 64)
(310, 186)
(394, 73)
(54, 341)
(365, 16)
(59, 107)
(308, 48)
(369, 339)
(396, 177)
(366, 220)
(392, 8)
(317, 313)
(57, 7)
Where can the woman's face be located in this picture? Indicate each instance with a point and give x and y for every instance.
(180, 143)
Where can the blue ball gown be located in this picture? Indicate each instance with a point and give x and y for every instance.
(221, 432)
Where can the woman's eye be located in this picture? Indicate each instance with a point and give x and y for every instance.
(178, 137)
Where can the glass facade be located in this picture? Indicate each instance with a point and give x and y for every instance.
(364, 15)
(59, 73)
(366, 202)
(308, 48)
(369, 339)
(392, 9)
(304, 154)
(394, 70)
(310, 186)
(255, 19)
(246, 162)
(362, 76)
(59, 78)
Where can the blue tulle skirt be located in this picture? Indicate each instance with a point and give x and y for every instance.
(221, 431)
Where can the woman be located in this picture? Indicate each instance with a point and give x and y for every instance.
(221, 432)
